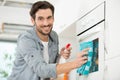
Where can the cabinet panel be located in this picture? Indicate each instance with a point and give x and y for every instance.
(112, 71)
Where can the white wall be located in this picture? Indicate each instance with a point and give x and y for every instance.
(14, 15)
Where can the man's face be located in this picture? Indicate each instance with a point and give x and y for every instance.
(43, 21)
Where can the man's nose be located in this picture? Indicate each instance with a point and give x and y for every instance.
(45, 22)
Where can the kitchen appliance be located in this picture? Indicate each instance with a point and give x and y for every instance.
(90, 27)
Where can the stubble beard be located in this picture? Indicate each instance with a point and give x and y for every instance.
(45, 34)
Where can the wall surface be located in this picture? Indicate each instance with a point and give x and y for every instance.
(14, 15)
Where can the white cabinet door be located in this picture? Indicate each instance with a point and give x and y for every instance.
(112, 69)
(112, 28)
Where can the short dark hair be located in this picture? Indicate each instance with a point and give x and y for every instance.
(40, 5)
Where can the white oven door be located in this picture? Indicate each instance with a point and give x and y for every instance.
(91, 35)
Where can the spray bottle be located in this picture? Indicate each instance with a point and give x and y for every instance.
(65, 77)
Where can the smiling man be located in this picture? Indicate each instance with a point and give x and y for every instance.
(37, 53)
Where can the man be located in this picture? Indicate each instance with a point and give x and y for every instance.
(37, 49)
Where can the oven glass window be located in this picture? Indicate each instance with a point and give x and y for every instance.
(92, 64)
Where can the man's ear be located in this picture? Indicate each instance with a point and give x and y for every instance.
(33, 21)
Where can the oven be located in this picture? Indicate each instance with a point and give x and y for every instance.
(90, 28)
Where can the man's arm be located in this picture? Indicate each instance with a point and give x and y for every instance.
(68, 66)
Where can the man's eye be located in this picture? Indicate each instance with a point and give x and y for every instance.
(40, 18)
(50, 17)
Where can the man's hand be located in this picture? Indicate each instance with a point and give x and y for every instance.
(65, 52)
(81, 58)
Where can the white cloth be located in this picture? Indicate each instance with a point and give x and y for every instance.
(45, 52)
